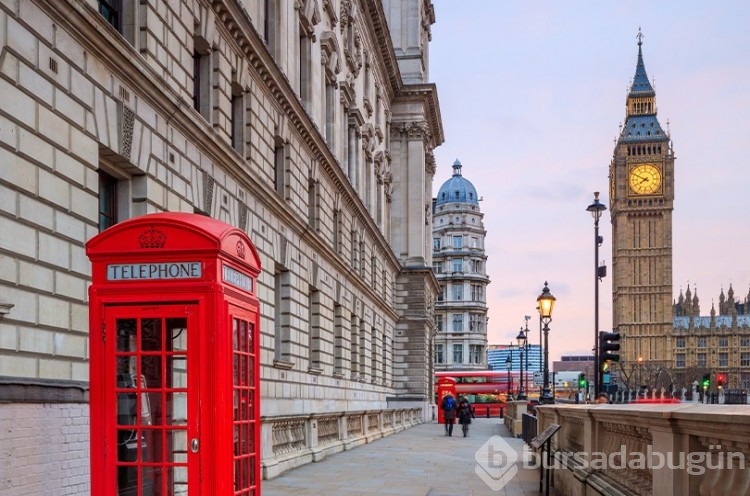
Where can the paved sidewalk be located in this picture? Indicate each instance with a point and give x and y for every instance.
(420, 461)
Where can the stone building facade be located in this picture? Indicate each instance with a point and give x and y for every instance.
(460, 264)
(718, 343)
(309, 124)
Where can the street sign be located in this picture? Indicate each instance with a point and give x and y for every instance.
(538, 378)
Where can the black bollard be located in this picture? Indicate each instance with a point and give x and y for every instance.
(488, 412)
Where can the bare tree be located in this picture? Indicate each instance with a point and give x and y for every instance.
(652, 374)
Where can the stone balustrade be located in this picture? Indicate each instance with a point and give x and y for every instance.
(649, 449)
(295, 440)
(513, 420)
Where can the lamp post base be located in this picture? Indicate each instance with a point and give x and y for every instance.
(522, 395)
(546, 398)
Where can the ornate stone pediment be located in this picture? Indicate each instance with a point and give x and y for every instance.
(368, 140)
(329, 46)
(331, 11)
(346, 14)
(309, 15)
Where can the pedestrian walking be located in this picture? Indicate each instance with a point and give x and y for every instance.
(465, 414)
(449, 407)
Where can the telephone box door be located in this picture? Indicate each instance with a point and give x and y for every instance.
(246, 412)
(152, 389)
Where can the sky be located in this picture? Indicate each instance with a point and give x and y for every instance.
(532, 95)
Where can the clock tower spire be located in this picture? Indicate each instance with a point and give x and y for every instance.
(641, 177)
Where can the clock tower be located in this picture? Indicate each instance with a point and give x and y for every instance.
(641, 178)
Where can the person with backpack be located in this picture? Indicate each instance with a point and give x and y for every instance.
(449, 407)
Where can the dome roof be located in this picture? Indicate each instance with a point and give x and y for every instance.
(457, 189)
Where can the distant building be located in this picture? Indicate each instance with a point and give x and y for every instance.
(579, 363)
(573, 362)
(459, 262)
(497, 354)
(711, 343)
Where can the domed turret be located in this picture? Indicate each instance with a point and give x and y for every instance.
(459, 261)
(457, 189)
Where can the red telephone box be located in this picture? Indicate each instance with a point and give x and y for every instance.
(174, 366)
(445, 386)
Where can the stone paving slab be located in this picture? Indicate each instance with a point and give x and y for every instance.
(421, 461)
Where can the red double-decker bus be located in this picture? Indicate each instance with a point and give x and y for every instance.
(486, 390)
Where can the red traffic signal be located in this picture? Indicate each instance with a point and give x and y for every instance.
(721, 379)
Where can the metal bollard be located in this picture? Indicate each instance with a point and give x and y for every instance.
(488, 412)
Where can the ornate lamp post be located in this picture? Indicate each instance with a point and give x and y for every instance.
(508, 366)
(541, 362)
(526, 332)
(546, 301)
(597, 209)
(522, 348)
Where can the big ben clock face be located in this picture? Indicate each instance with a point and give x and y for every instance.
(645, 179)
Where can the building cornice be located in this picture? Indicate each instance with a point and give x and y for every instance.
(382, 36)
(425, 94)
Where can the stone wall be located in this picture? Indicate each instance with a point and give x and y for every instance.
(45, 449)
(649, 449)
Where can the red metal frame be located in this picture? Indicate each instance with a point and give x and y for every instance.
(178, 292)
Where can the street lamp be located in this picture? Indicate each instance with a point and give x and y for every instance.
(546, 301)
(541, 362)
(526, 332)
(522, 342)
(597, 209)
(508, 366)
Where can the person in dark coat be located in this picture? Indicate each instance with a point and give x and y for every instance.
(449, 405)
(465, 414)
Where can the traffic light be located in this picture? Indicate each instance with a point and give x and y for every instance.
(706, 382)
(609, 343)
(582, 381)
(721, 380)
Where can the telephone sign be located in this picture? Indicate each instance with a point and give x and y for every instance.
(173, 270)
